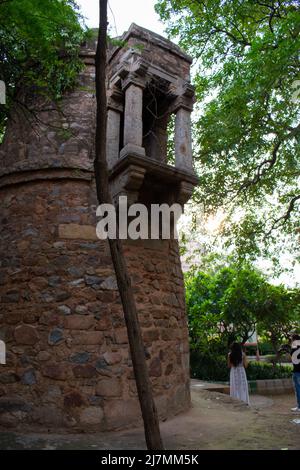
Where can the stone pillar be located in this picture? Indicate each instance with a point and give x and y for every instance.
(133, 119)
(183, 140)
(113, 137)
(114, 110)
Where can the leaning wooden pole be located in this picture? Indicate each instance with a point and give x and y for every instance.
(144, 388)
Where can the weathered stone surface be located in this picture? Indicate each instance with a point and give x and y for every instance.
(64, 309)
(54, 281)
(56, 371)
(11, 297)
(112, 358)
(79, 322)
(93, 280)
(55, 337)
(77, 232)
(91, 416)
(81, 310)
(13, 405)
(110, 283)
(155, 369)
(43, 356)
(48, 415)
(61, 296)
(25, 334)
(88, 338)
(122, 414)
(150, 335)
(84, 371)
(169, 369)
(101, 364)
(80, 358)
(29, 377)
(109, 388)
(73, 400)
(121, 336)
(8, 378)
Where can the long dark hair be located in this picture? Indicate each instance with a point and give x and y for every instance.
(236, 354)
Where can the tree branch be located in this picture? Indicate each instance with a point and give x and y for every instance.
(284, 218)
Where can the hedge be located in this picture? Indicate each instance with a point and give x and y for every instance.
(214, 368)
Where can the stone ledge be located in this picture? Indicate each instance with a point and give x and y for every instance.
(271, 386)
(21, 177)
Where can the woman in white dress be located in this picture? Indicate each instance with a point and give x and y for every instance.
(237, 361)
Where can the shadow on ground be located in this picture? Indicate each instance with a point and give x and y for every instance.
(214, 422)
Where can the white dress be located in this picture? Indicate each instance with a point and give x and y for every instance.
(239, 384)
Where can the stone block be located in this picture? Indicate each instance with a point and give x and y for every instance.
(155, 369)
(112, 358)
(73, 400)
(121, 336)
(91, 416)
(109, 388)
(25, 334)
(44, 356)
(11, 297)
(56, 371)
(79, 322)
(80, 358)
(9, 378)
(110, 283)
(29, 377)
(84, 371)
(150, 335)
(77, 232)
(64, 309)
(88, 338)
(123, 413)
(56, 336)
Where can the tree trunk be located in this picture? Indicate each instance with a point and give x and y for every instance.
(144, 388)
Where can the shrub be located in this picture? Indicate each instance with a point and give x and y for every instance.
(208, 367)
(264, 371)
(214, 368)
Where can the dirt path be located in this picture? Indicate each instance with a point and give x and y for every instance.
(215, 421)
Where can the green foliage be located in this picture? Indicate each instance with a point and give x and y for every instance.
(248, 128)
(39, 45)
(279, 315)
(233, 301)
(223, 305)
(208, 367)
(263, 371)
(171, 141)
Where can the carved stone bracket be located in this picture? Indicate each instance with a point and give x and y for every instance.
(138, 177)
(128, 183)
(184, 193)
(115, 99)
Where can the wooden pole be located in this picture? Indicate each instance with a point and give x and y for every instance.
(144, 388)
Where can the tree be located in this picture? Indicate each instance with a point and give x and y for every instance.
(143, 383)
(279, 315)
(39, 45)
(223, 305)
(231, 302)
(247, 129)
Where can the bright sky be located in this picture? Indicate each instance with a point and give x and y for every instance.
(122, 13)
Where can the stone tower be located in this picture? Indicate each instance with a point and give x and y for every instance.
(68, 363)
